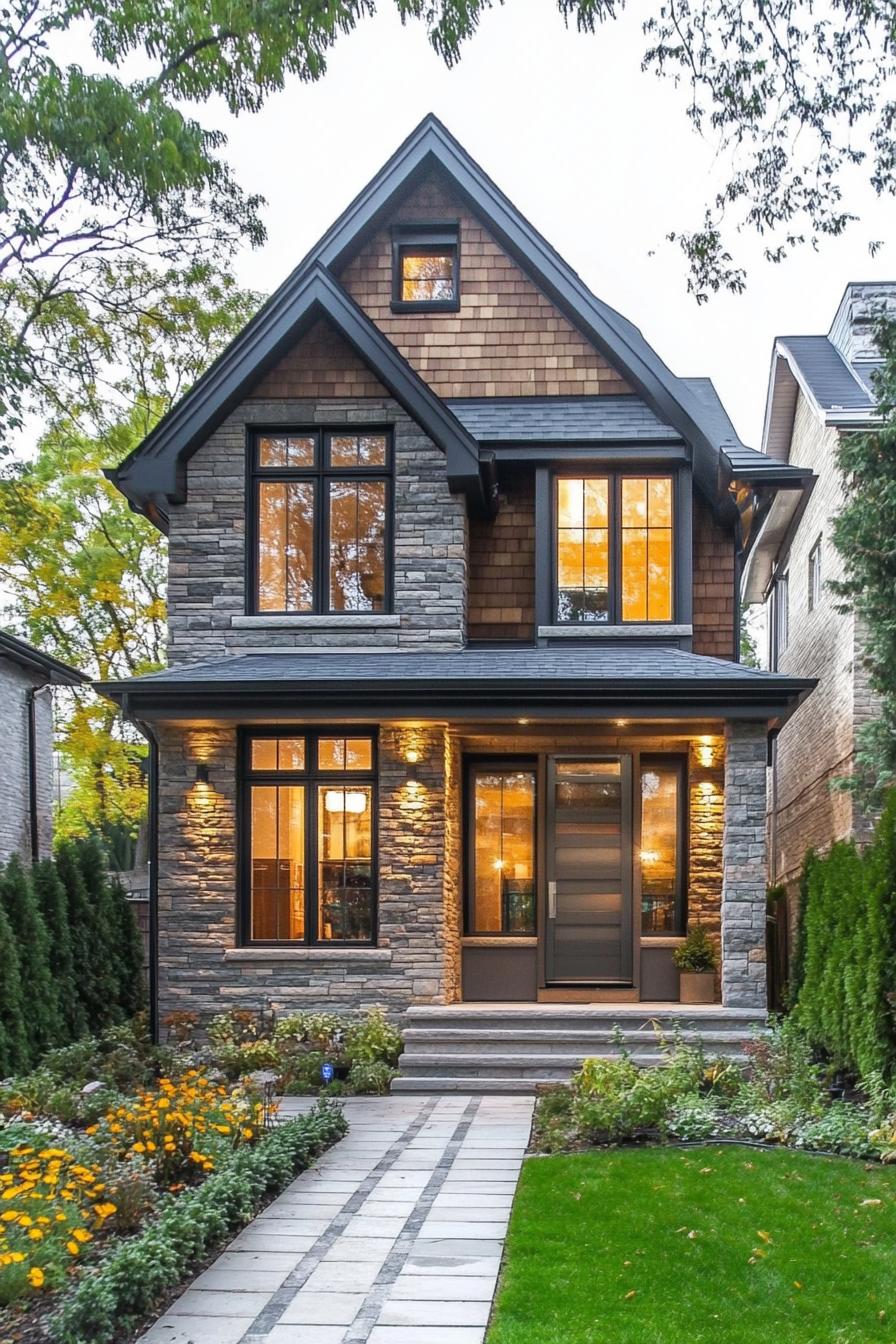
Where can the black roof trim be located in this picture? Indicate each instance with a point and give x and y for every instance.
(155, 472)
(26, 655)
(431, 146)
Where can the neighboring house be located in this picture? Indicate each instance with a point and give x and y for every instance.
(453, 710)
(820, 388)
(27, 677)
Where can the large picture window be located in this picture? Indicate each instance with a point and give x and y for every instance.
(614, 551)
(309, 871)
(321, 510)
(501, 853)
(662, 853)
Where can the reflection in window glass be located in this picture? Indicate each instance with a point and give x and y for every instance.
(345, 863)
(285, 545)
(277, 846)
(646, 543)
(357, 545)
(345, 753)
(286, 450)
(358, 450)
(278, 753)
(583, 560)
(661, 804)
(427, 275)
(503, 851)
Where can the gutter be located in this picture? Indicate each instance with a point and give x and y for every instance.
(34, 833)
(153, 988)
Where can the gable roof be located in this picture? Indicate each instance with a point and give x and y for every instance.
(154, 473)
(35, 660)
(841, 392)
(676, 402)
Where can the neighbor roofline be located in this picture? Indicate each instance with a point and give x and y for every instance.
(20, 651)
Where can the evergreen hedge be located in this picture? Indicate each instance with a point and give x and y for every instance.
(845, 957)
(70, 952)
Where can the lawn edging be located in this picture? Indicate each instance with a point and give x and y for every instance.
(123, 1289)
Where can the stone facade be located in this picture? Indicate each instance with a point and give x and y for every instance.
(744, 867)
(201, 967)
(16, 684)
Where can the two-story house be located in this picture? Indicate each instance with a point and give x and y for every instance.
(454, 711)
(820, 388)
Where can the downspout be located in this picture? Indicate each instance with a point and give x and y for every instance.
(33, 693)
(153, 741)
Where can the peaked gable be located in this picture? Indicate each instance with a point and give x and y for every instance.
(320, 364)
(494, 346)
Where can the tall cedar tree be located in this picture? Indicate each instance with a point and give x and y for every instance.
(40, 1001)
(870, 979)
(131, 995)
(51, 899)
(89, 979)
(13, 1041)
(105, 933)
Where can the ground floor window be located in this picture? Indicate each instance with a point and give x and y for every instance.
(308, 862)
(662, 844)
(501, 857)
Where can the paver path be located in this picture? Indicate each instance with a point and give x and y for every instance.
(393, 1237)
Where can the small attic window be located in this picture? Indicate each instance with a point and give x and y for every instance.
(425, 270)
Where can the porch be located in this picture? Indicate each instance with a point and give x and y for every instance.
(513, 1047)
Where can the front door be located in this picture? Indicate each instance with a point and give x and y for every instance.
(588, 870)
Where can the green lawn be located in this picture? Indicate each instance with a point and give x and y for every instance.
(717, 1245)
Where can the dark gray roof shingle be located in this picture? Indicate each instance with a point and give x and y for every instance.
(830, 379)
(617, 419)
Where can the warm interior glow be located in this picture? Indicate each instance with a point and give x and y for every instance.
(344, 800)
(646, 548)
(504, 851)
(285, 545)
(660, 804)
(345, 753)
(345, 864)
(427, 275)
(583, 549)
(277, 823)
(357, 545)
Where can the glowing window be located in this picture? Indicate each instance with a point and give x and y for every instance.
(662, 803)
(502, 859)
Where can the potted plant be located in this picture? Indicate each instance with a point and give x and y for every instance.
(696, 961)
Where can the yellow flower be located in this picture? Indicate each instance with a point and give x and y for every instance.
(25, 1220)
(8, 1215)
(35, 1234)
(73, 1248)
(81, 1234)
(36, 1277)
(105, 1210)
(16, 1257)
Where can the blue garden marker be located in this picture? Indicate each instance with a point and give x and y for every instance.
(326, 1072)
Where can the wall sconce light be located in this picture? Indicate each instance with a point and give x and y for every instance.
(201, 773)
(413, 760)
(707, 788)
(705, 756)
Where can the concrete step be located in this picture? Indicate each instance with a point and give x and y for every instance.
(487, 1041)
(569, 1017)
(557, 1067)
(489, 1086)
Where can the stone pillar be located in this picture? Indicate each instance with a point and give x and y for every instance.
(744, 867)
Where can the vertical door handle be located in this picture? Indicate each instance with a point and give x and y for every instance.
(552, 900)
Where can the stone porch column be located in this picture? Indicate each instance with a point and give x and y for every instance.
(744, 867)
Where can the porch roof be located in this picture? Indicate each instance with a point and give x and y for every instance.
(577, 682)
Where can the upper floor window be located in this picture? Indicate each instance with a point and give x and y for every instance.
(815, 578)
(321, 508)
(425, 271)
(780, 625)
(614, 549)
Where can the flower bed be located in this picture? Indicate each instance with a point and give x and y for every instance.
(782, 1096)
(121, 1166)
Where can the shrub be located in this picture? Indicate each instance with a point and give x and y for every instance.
(694, 1118)
(323, 1032)
(236, 1061)
(614, 1099)
(40, 1003)
(13, 1041)
(51, 899)
(697, 952)
(118, 1294)
(373, 1078)
(372, 1039)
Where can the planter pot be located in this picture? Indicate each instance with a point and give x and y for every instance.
(697, 986)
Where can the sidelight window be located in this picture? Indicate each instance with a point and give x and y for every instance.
(309, 869)
(662, 845)
(501, 876)
(322, 522)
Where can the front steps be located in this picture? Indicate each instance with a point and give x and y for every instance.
(515, 1047)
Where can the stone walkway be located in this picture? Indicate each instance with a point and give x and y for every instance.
(394, 1237)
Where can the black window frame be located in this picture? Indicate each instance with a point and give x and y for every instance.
(615, 477)
(312, 777)
(320, 475)
(439, 237)
(665, 761)
(505, 765)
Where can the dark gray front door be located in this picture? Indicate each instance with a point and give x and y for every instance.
(588, 868)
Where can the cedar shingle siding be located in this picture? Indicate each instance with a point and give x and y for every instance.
(322, 364)
(501, 570)
(507, 340)
(714, 586)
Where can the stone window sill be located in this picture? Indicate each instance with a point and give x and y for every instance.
(658, 631)
(347, 621)
(264, 955)
(662, 940)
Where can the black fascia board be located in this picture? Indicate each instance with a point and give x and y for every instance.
(157, 468)
(26, 655)
(464, 698)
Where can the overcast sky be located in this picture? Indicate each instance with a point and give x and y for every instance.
(598, 155)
